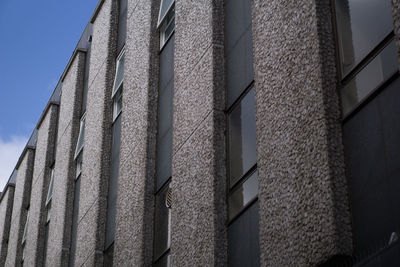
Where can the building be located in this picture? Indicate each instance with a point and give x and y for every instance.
(216, 133)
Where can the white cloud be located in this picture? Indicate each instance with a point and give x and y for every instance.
(10, 151)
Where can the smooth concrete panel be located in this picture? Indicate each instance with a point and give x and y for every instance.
(6, 206)
(304, 211)
(34, 247)
(134, 219)
(64, 169)
(21, 201)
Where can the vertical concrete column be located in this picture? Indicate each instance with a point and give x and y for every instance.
(64, 170)
(6, 205)
(396, 22)
(35, 239)
(304, 213)
(198, 164)
(22, 197)
(97, 142)
(134, 219)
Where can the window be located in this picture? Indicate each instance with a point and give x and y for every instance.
(118, 85)
(165, 7)
(367, 50)
(50, 191)
(167, 27)
(243, 181)
(119, 73)
(25, 229)
(162, 240)
(78, 166)
(81, 138)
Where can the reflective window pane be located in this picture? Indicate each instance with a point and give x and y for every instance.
(243, 239)
(164, 158)
(165, 5)
(117, 103)
(362, 25)
(81, 137)
(162, 237)
(119, 75)
(50, 191)
(242, 138)
(369, 78)
(241, 196)
(165, 261)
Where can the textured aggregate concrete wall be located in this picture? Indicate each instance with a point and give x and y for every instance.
(304, 213)
(64, 171)
(22, 197)
(6, 206)
(396, 21)
(97, 149)
(198, 173)
(40, 182)
(134, 219)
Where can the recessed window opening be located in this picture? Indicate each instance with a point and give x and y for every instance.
(118, 85)
(25, 229)
(165, 7)
(366, 49)
(167, 27)
(81, 138)
(50, 191)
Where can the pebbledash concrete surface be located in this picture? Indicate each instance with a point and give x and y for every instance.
(89, 190)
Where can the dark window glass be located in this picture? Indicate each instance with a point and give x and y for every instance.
(164, 158)
(113, 183)
(362, 25)
(162, 224)
(167, 64)
(165, 110)
(75, 222)
(243, 239)
(238, 48)
(243, 194)
(242, 138)
(164, 261)
(46, 241)
(380, 69)
(109, 256)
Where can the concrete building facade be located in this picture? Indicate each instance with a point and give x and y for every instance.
(216, 133)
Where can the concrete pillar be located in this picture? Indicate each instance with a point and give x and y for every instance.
(22, 197)
(64, 170)
(304, 211)
(134, 219)
(44, 158)
(6, 205)
(97, 142)
(198, 164)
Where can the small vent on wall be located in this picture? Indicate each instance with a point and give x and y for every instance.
(168, 198)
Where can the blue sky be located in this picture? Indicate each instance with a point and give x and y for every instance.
(37, 39)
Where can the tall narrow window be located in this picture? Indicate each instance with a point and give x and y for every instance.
(162, 224)
(48, 210)
(116, 140)
(367, 49)
(25, 229)
(50, 191)
(368, 85)
(81, 138)
(243, 246)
